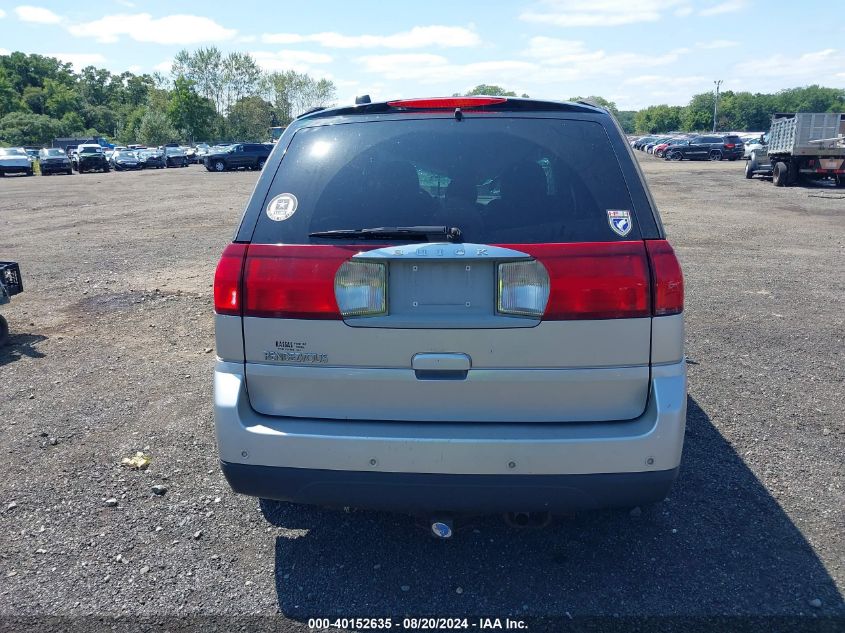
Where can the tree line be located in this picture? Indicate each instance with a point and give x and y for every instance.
(212, 96)
(208, 96)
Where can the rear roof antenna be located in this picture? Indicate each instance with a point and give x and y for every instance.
(362, 100)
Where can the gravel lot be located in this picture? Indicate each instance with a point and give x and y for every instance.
(111, 354)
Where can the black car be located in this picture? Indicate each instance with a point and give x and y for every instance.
(175, 156)
(89, 158)
(151, 159)
(707, 148)
(53, 160)
(125, 159)
(240, 156)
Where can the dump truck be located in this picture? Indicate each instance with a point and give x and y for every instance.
(808, 145)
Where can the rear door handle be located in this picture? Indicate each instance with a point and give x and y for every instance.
(441, 362)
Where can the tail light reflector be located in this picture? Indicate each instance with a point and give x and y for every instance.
(523, 288)
(293, 282)
(361, 289)
(729, 145)
(228, 295)
(594, 280)
(667, 278)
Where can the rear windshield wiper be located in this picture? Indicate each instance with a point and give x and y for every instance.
(412, 233)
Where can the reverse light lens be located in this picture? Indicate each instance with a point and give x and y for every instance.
(361, 289)
(523, 288)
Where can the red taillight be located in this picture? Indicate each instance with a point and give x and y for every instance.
(594, 280)
(667, 278)
(227, 280)
(293, 282)
(729, 145)
(446, 102)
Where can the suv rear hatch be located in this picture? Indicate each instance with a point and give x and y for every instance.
(538, 310)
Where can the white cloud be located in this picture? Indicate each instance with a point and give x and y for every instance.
(134, 68)
(574, 13)
(417, 37)
(38, 15)
(300, 61)
(571, 59)
(79, 60)
(717, 44)
(4, 51)
(725, 7)
(2, 13)
(429, 68)
(164, 67)
(807, 67)
(142, 27)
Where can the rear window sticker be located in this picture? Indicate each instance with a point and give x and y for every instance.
(282, 207)
(620, 221)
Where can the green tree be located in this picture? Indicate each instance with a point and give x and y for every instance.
(155, 129)
(60, 99)
(604, 103)
(191, 114)
(249, 119)
(659, 118)
(26, 128)
(491, 90)
(293, 93)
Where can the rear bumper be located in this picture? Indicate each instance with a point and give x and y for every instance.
(420, 493)
(478, 467)
(15, 169)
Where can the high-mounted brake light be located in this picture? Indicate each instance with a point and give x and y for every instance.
(228, 293)
(446, 102)
(667, 278)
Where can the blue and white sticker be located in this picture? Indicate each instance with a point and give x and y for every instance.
(619, 221)
(282, 207)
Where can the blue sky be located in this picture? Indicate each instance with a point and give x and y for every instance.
(634, 52)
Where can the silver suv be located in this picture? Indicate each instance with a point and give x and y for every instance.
(451, 305)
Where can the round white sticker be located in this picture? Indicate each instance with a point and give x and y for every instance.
(282, 207)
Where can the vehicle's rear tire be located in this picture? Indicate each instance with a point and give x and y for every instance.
(4, 331)
(69, 172)
(676, 156)
(659, 154)
(715, 155)
(840, 181)
(219, 165)
(779, 174)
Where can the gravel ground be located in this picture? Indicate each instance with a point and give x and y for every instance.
(111, 354)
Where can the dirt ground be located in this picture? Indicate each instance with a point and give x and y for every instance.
(111, 353)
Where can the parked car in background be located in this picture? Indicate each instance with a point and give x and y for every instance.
(174, 156)
(649, 147)
(15, 160)
(239, 156)
(710, 147)
(660, 150)
(396, 358)
(151, 159)
(124, 159)
(54, 160)
(90, 158)
(639, 143)
(758, 163)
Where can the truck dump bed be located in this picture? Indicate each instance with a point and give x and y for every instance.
(795, 134)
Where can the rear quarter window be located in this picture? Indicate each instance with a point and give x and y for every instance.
(500, 180)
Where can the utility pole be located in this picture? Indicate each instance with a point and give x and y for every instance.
(716, 103)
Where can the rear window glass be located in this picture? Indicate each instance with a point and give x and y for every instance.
(502, 180)
(733, 139)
